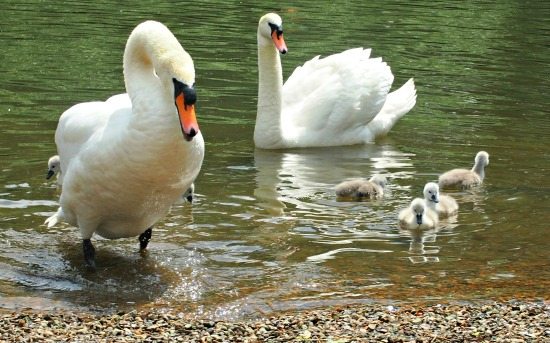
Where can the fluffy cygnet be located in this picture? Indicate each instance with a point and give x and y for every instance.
(444, 205)
(54, 166)
(418, 216)
(361, 188)
(464, 178)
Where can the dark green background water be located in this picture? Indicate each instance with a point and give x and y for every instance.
(266, 233)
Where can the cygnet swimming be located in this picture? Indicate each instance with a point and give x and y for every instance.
(444, 205)
(361, 188)
(54, 167)
(418, 216)
(464, 178)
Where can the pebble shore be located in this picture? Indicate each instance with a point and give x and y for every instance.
(493, 322)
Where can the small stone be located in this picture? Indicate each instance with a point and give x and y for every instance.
(306, 334)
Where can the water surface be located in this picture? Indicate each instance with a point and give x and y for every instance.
(266, 233)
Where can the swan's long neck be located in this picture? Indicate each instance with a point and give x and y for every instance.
(268, 131)
(152, 55)
(139, 71)
(479, 169)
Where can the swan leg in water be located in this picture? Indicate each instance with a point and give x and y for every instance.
(144, 238)
(89, 252)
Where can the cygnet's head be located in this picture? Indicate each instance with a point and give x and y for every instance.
(431, 192)
(379, 180)
(482, 158)
(418, 206)
(54, 166)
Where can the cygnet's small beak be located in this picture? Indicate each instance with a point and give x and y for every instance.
(50, 174)
(419, 219)
(435, 199)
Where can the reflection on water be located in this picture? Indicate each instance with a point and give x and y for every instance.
(422, 248)
(266, 232)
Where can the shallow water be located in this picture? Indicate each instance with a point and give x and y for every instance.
(265, 233)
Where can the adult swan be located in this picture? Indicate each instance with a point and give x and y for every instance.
(338, 100)
(125, 161)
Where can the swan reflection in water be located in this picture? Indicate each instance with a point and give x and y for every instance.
(297, 187)
(295, 177)
(418, 249)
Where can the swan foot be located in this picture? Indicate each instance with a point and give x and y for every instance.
(144, 238)
(89, 253)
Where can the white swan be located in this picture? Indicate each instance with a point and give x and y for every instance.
(444, 205)
(107, 149)
(464, 178)
(418, 216)
(54, 167)
(341, 99)
(361, 188)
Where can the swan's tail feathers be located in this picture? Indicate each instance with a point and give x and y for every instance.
(397, 104)
(55, 218)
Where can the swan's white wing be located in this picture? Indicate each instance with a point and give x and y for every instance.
(82, 121)
(397, 104)
(337, 93)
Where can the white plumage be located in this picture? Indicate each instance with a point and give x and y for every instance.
(341, 99)
(126, 160)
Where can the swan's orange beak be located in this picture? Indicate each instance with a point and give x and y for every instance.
(279, 41)
(188, 120)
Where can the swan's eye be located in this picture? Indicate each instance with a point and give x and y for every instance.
(189, 94)
(276, 28)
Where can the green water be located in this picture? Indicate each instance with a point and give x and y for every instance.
(265, 233)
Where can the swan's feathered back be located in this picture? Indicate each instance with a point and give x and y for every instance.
(342, 91)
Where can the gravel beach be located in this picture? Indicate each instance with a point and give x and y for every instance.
(492, 322)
